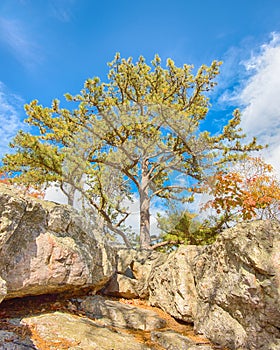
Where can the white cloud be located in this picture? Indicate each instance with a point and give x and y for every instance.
(10, 117)
(253, 85)
(53, 193)
(134, 218)
(260, 97)
(15, 37)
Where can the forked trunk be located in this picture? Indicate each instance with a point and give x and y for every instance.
(69, 192)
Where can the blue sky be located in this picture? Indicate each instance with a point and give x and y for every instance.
(49, 47)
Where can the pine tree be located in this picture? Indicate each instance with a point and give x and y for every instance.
(130, 136)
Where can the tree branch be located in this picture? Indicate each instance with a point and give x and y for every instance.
(162, 244)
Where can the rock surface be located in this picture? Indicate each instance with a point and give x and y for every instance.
(12, 341)
(238, 287)
(53, 322)
(46, 248)
(64, 331)
(172, 285)
(229, 290)
(121, 315)
(133, 273)
(3, 289)
(171, 340)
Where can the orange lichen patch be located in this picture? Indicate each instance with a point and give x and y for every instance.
(59, 343)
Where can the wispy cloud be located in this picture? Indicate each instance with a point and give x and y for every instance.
(234, 74)
(251, 81)
(14, 36)
(54, 193)
(10, 118)
(261, 100)
(62, 9)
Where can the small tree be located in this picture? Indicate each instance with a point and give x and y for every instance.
(142, 126)
(183, 227)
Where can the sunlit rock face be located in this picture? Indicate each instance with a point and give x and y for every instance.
(48, 248)
(121, 315)
(172, 284)
(3, 289)
(229, 290)
(134, 269)
(64, 331)
(238, 287)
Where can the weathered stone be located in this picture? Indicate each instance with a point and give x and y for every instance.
(201, 347)
(12, 341)
(121, 315)
(3, 289)
(172, 285)
(219, 326)
(134, 268)
(48, 248)
(64, 331)
(238, 287)
(122, 286)
(171, 340)
(230, 290)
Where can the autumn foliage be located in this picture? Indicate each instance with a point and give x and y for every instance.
(26, 190)
(249, 191)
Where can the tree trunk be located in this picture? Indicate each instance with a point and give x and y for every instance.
(69, 191)
(145, 240)
(71, 195)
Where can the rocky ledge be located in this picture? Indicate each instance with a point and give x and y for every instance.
(229, 291)
(57, 321)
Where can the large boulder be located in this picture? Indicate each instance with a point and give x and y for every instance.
(238, 287)
(48, 248)
(230, 289)
(172, 284)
